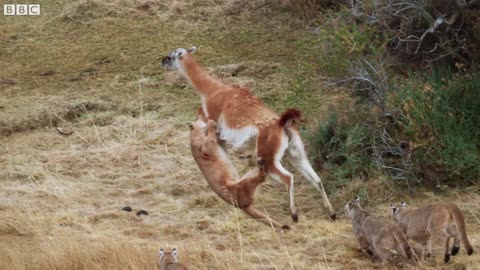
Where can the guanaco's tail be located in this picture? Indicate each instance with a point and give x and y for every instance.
(459, 220)
(289, 117)
(256, 214)
(407, 250)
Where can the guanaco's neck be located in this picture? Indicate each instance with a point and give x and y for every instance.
(198, 77)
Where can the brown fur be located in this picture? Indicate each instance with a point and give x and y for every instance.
(377, 239)
(442, 219)
(222, 176)
(168, 261)
(289, 115)
(239, 108)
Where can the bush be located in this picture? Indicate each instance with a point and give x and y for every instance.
(442, 119)
(431, 138)
(341, 147)
(421, 32)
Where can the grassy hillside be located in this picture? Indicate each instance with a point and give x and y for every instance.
(94, 67)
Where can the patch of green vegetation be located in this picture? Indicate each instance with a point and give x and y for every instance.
(337, 43)
(443, 119)
(341, 147)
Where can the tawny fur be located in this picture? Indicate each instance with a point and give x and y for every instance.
(222, 176)
(442, 220)
(241, 117)
(169, 261)
(376, 238)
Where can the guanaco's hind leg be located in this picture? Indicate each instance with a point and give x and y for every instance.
(299, 160)
(279, 173)
(271, 146)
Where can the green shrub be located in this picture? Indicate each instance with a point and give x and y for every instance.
(341, 148)
(443, 119)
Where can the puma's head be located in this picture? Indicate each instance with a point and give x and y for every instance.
(167, 257)
(395, 210)
(348, 209)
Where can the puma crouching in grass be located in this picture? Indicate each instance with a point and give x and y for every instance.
(222, 176)
(442, 219)
(169, 261)
(376, 238)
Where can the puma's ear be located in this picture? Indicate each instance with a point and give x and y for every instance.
(175, 254)
(161, 253)
(350, 205)
(357, 199)
(403, 204)
(192, 50)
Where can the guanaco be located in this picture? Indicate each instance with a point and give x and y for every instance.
(440, 219)
(169, 261)
(242, 116)
(222, 176)
(376, 238)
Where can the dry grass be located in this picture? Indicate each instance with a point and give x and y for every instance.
(60, 196)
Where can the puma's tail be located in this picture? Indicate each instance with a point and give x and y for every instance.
(459, 220)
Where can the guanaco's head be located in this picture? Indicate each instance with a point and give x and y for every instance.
(395, 210)
(174, 58)
(349, 207)
(166, 258)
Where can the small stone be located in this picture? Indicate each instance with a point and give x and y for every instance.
(127, 209)
(142, 212)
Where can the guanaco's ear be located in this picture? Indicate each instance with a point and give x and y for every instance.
(192, 49)
(161, 253)
(403, 204)
(175, 254)
(166, 60)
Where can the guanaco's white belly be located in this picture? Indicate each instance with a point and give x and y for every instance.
(238, 138)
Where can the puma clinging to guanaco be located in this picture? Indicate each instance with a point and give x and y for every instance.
(222, 176)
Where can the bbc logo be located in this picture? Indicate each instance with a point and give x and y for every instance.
(21, 9)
